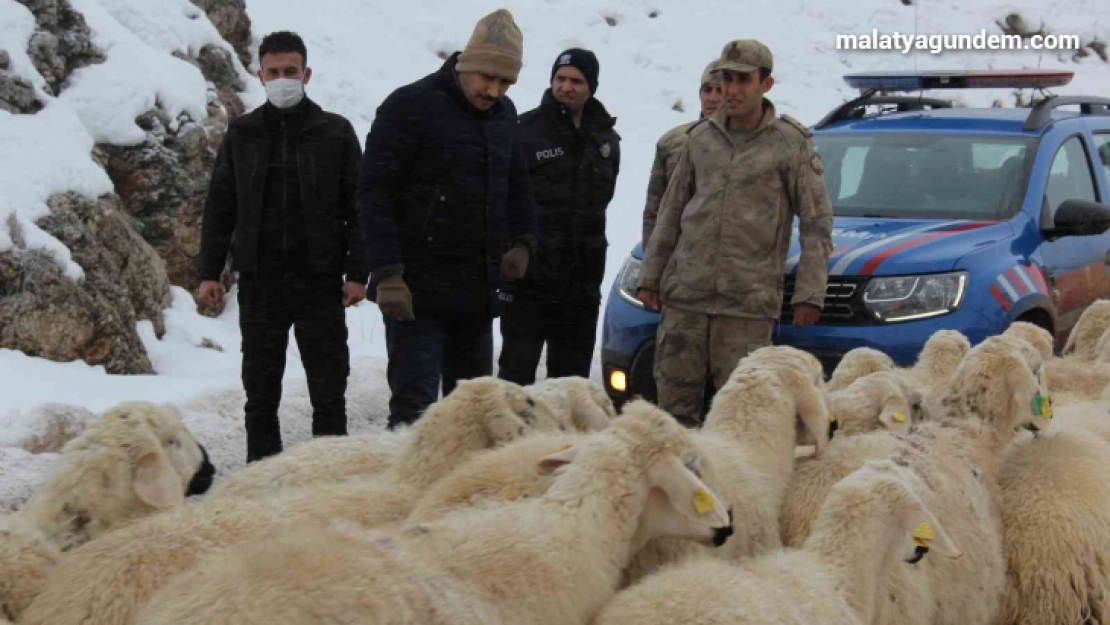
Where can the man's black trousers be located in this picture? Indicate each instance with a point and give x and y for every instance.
(313, 307)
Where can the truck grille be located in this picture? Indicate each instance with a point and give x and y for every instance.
(843, 301)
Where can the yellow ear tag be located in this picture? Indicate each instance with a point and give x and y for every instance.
(923, 534)
(703, 501)
(898, 417)
(565, 446)
(1042, 406)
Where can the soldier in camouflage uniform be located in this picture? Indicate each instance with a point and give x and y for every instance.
(670, 147)
(715, 257)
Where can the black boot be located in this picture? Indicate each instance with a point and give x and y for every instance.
(263, 438)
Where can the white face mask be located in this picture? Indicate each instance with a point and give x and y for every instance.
(284, 92)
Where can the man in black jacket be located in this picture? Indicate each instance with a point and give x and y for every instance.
(573, 156)
(446, 212)
(282, 198)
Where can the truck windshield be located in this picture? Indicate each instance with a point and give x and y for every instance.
(943, 176)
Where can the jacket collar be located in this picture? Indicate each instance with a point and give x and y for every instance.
(594, 114)
(720, 118)
(256, 119)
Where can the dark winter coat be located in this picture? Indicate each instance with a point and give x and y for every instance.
(574, 173)
(327, 154)
(442, 194)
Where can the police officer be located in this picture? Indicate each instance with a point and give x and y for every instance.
(573, 157)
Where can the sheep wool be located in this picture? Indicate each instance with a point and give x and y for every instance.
(567, 548)
(873, 522)
(957, 456)
(109, 580)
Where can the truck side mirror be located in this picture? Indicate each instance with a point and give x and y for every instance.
(1077, 218)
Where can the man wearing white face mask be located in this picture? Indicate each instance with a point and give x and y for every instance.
(282, 200)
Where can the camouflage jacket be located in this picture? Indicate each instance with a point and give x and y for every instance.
(667, 151)
(723, 231)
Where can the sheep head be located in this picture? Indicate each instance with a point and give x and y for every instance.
(942, 353)
(883, 400)
(804, 377)
(677, 503)
(1000, 381)
(188, 458)
(874, 520)
(1039, 338)
(857, 363)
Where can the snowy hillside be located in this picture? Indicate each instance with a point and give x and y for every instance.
(651, 54)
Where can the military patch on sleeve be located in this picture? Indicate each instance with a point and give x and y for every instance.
(797, 124)
(816, 164)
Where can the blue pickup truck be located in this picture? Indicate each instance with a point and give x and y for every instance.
(944, 217)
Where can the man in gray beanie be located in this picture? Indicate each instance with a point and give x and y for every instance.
(447, 214)
(573, 156)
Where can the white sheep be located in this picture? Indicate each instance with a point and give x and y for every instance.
(108, 581)
(323, 460)
(498, 475)
(957, 455)
(1083, 340)
(857, 363)
(1055, 499)
(581, 404)
(745, 449)
(939, 358)
(26, 558)
(1071, 379)
(562, 403)
(132, 462)
(1102, 349)
(552, 560)
(886, 400)
(873, 522)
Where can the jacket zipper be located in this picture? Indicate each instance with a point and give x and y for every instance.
(431, 209)
(284, 187)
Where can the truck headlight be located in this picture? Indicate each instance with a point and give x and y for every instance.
(907, 298)
(627, 280)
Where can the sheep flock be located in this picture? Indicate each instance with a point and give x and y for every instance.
(972, 488)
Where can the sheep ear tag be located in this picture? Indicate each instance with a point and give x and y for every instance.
(898, 417)
(1042, 406)
(703, 501)
(923, 534)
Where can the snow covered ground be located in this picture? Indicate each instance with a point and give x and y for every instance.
(651, 54)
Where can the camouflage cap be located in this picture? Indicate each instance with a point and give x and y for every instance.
(708, 76)
(744, 55)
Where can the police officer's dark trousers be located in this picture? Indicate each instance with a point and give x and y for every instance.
(568, 327)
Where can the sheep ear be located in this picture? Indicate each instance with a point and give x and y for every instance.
(1038, 406)
(690, 496)
(552, 462)
(921, 529)
(156, 483)
(810, 406)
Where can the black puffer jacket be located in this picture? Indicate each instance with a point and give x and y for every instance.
(574, 173)
(327, 154)
(442, 194)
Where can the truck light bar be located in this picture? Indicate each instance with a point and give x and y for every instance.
(959, 79)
